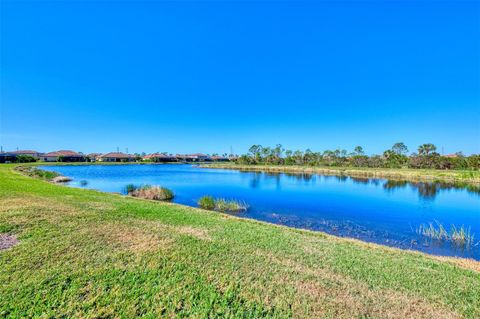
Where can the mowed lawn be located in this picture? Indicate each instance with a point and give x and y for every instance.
(88, 254)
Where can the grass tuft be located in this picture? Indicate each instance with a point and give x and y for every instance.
(222, 205)
(206, 202)
(150, 192)
(457, 235)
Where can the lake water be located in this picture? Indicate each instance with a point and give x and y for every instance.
(374, 210)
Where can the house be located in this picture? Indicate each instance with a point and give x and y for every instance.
(159, 158)
(63, 156)
(7, 157)
(197, 157)
(116, 157)
(92, 157)
(34, 154)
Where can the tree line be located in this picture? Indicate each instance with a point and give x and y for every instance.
(396, 157)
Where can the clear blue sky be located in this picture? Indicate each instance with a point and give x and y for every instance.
(188, 77)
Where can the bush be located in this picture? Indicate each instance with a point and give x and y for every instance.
(25, 159)
(206, 202)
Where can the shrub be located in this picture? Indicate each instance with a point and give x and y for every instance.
(206, 202)
(25, 159)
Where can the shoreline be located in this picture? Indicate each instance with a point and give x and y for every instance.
(467, 177)
(163, 245)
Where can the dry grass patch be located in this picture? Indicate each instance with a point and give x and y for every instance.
(324, 293)
(128, 237)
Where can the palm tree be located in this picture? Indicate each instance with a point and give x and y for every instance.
(426, 149)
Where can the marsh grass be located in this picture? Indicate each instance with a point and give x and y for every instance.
(230, 205)
(460, 236)
(149, 192)
(206, 202)
(222, 205)
(37, 173)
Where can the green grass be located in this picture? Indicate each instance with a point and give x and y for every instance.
(461, 176)
(87, 254)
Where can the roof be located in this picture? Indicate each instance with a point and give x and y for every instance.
(63, 153)
(24, 152)
(451, 155)
(116, 155)
(94, 154)
(157, 155)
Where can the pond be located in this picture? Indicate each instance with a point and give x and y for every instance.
(383, 211)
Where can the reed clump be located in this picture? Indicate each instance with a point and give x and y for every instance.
(460, 236)
(150, 192)
(222, 205)
(37, 173)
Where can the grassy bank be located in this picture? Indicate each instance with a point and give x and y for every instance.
(83, 253)
(472, 177)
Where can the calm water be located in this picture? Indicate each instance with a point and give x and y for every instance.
(375, 210)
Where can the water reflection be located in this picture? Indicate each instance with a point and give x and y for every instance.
(425, 190)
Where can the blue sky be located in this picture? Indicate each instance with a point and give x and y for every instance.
(207, 76)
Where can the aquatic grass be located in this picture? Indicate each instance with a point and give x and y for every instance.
(129, 188)
(206, 202)
(437, 232)
(462, 236)
(230, 205)
(222, 205)
(150, 192)
(458, 235)
(37, 173)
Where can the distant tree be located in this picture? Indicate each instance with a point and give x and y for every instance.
(400, 148)
(256, 151)
(426, 149)
(25, 159)
(358, 150)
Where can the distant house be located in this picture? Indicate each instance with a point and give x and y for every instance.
(7, 157)
(451, 155)
(159, 158)
(197, 157)
(93, 157)
(116, 157)
(31, 153)
(63, 156)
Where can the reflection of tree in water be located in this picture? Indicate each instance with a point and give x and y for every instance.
(429, 190)
(255, 179)
(341, 178)
(391, 185)
(360, 180)
(304, 177)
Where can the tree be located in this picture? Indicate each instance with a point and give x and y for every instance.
(400, 148)
(426, 149)
(358, 150)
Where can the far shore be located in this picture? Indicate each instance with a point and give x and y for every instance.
(430, 175)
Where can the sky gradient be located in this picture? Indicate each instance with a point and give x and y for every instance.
(203, 77)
